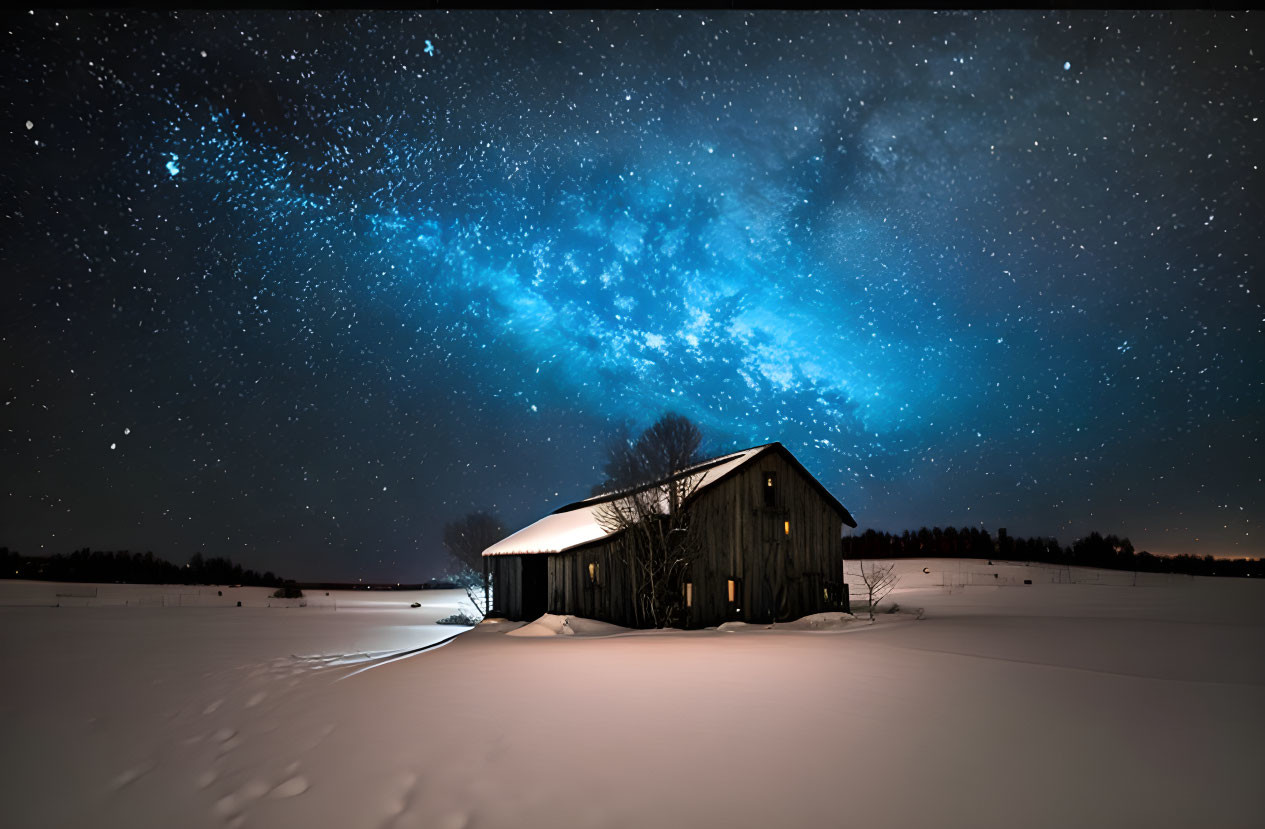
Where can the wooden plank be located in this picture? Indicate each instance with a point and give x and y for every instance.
(783, 575)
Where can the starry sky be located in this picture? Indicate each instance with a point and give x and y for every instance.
(297, 288)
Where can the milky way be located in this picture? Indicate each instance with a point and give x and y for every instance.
(297, 288)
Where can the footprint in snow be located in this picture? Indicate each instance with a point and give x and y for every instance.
(453, 820)
(130, 776)
(404, 784)
(228, 740)
(213, 707)
(256, 699)
(293, 787)
(233, 804)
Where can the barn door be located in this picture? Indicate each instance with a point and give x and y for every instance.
(535, 586)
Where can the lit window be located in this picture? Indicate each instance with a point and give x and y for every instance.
(594, 571)
(770, 489)
(689, 594)
(732, 591)
(786, 525)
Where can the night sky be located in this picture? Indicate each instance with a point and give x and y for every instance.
(297, 288)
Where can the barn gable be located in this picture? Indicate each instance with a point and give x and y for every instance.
(768, 534)
(576, 524)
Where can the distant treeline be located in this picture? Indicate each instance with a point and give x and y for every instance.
(129, 568)
(347, 585)
(1094, 550)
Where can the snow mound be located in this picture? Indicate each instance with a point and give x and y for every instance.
(733, 627)
(835, 620)
(552, 624)
(496, 625)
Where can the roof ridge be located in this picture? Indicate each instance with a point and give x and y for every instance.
(701, 466)
(575, 525)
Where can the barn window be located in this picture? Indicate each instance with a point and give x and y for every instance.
(786, 527)
(733, 591)
(688, 590)
(770, 488)
(595, 573)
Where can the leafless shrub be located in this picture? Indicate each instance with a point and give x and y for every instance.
(654, 483)
(878, 579)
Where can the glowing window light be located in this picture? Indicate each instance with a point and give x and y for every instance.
(688, 587)
(731, 590)
(786, 525)
(593, 572)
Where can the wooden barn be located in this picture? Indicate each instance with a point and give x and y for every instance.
(768, 534)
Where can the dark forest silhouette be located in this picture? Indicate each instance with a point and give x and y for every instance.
(129, 568)
(1094, 550)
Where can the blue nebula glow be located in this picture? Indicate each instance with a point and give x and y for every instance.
(963, 291)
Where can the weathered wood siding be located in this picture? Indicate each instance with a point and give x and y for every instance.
(609, 597)
(507, 585)
(781, 575)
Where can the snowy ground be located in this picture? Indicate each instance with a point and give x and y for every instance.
(1078, 700)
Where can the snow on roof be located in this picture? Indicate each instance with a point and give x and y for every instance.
(577, 523)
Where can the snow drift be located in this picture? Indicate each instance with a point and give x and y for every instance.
(1077, 700)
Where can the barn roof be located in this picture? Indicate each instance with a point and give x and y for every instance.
(577, 524)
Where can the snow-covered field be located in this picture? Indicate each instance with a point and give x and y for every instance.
(1078, 700)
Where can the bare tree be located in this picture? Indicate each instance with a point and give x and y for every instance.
(653, 480)
(466, 539)
(621, 469)
(668, 446)
(879, 579)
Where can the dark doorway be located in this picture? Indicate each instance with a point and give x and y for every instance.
(535, 586)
